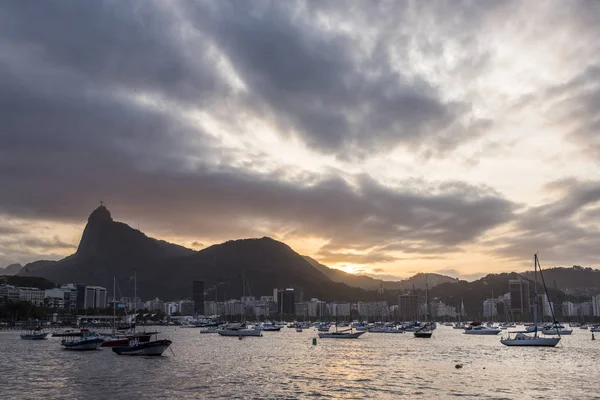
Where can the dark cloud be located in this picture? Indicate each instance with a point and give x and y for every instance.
(324, 87)
(565, 231)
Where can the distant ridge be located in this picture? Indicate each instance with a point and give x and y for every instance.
(368, 283)
(12, 269)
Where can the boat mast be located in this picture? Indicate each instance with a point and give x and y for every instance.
(134, 298)
(114, 306)
(535, 296)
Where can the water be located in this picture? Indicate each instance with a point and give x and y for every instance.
(286, 365)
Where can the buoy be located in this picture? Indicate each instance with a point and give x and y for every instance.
(593, 338)
(239, 338)
(458, 366)
(314, 341)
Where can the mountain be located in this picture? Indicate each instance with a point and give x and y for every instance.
(106, 249)
(109, 248)
(576, 281)
(417, 281)
(12, 269)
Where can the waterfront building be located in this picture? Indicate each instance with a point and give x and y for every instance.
(95, 297)
(9, 292)
(596, 305)
(198, 297)
(340, 310)
(286, 301)
(519, 297)
(32, 295)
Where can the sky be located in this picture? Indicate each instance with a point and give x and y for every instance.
(384, 138)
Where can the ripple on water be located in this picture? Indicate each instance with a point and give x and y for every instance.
(286, 365)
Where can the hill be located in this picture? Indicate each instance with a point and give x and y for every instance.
(576, 281)
(417, 281)
(108, 248)
(12, 269)
(27, 281)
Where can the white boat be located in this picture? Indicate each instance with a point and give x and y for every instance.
(340, 335)
(556, 329)
(481, 330)
(385, 329)
(34, 334)
(459, 325)
(522, 339)
(238, 330)
(595, 329)
(268, 327)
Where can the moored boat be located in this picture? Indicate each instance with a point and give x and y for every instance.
(340, 335)
(136, 348)
(87, 341)
(481, 330)
(521, 338)
(123, 340)
(34, 334)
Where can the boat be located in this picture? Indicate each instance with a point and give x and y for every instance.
(268, 327)
(67, 333)
(481, 330)
(239, 329)
(385, 329)
(124, 339)
(344, 334)
(556, 329)
(34, 334)
(298, 329)
(521, 338)
(595, 329)
(136, 348)
(87, 341)
(426, 330)
(423, 334)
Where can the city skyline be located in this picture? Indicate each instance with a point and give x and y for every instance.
(427, 142)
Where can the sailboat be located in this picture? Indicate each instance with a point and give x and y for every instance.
(122, 339)
(240, 329)
(425, 332)
(135, 346)
(521, 338)
(344, 334)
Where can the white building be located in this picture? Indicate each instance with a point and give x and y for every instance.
(569, 309)
(373, 310)
(95, 297)
(32, 295)
(490, 308)
(340, 310)
(586, 309)
(9, 292)
(317, 308)
(55, 297)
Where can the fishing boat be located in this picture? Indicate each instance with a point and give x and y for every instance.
(521, 338)
(34, 334)
(136, 348)
(87, 341)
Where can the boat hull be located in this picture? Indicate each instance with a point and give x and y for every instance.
(482, 332)
(239, 332)
(155, 348)
(561, 332)
(340, 335)
(124, 341)
(532, 342)
(82, 345)
(423, 335)
(41, 336)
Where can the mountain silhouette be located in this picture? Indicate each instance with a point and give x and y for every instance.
(250, 266)
(417, 281)
(12, 269)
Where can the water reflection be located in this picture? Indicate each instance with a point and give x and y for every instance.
(286, 365)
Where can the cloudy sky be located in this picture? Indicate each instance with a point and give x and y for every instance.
(380, 137)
